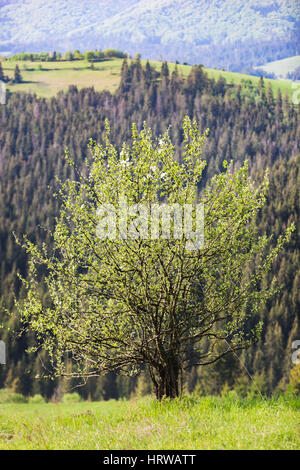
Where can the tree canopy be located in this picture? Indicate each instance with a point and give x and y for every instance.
(125, 302)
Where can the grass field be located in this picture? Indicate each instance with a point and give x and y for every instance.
(56, 76)
(47, 78)
(199, 423)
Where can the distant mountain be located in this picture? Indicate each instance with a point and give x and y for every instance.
(213, 32)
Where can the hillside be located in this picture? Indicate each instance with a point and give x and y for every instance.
(47, 78)
(199, 31)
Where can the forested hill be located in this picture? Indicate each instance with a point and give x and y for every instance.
(232, 34)
(243, 124)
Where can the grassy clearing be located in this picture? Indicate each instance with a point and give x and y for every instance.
(47, 78)
(282, 67)
(56, 76)
(190, 423)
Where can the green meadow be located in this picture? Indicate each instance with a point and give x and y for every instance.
(187, 423)
(45, 79)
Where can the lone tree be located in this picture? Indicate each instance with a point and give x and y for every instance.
(126, 300)
(2, 76)
(17, 75)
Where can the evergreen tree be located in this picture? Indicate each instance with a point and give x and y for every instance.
(261, 87)
(2, 77)
(164, 70)
(270, 96)
(148, 74)
(17, 75)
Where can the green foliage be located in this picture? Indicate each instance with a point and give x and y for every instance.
(143, 386)
(32, 57)
(225, 390)
(89, 55)
(258, 387)
(34, 131)
(117, 303)
(7, 396)
(295, 379)
(68, 55)
(36, 399)
(114, 53)
(92, 56)
(69, 398)
(242, 386)
(77, 55)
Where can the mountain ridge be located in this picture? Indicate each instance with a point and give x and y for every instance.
(163, 26)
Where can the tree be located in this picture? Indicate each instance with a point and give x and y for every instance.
(2, 77)
(164, 70)
(126, 77)
(120, 300)
(77, 54)
(99, 55)
(69, 55)
(17, 75)
(270, 96)
(89, 56)
(261, 88)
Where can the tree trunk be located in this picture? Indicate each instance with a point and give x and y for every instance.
(167, 384)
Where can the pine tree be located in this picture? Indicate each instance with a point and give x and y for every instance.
(270, 96)
(125, 77)
(2, 78)
(164, 70)
(261, 88)
(17, 75)
(148, 74)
